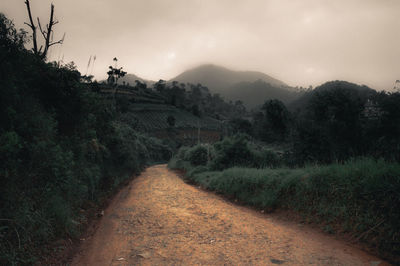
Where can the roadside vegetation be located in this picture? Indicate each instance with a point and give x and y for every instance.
(63, 148)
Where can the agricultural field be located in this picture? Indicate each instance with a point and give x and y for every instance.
(155, 117)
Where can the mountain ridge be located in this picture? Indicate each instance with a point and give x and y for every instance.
(218, 77)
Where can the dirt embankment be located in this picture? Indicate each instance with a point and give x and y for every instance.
(160, 220)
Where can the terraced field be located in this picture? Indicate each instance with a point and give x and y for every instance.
(154, 117)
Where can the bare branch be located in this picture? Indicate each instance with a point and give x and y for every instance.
(58, 42)
(47, 32)
(41, 30)
(32, 26)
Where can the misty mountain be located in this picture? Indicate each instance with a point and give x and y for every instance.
(251, 87)
(219, 78)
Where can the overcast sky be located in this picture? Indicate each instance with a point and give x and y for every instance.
(301, 42)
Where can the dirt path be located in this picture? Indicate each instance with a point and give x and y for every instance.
(160, 220)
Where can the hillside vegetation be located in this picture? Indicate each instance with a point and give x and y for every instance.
(255, 93)
(152, 117)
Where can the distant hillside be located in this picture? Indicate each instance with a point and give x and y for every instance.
(219, 78)
(254, 94)
(251, 87)
(301, 103)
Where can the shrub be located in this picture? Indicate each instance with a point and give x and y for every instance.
(197, 155)
(232, 151)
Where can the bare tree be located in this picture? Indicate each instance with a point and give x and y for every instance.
(46, 32)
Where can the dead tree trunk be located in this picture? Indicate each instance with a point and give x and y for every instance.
(32, 26)
(47, 32)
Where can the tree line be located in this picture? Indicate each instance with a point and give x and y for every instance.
(336, 121)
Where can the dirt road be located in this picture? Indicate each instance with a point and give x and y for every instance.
(160, 220)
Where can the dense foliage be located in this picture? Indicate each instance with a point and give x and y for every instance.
(198, 100)
(61, 147)
(229, 152)
(336, 121)
(197, 155)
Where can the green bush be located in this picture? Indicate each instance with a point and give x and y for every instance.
(197, 155)
(232, 151)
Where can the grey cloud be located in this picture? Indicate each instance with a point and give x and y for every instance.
(302, 42)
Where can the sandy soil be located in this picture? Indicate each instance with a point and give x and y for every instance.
(160, 220)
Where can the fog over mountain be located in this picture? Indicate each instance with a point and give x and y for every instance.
(219, 78)
(251, 87)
